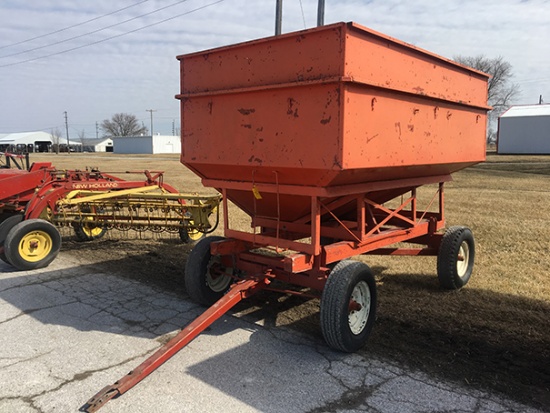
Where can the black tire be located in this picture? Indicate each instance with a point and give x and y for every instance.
(6, 215)
(455, 260)
(88, 231)
(5, 227)
(345, 328)
(32, 244)
(204, 279)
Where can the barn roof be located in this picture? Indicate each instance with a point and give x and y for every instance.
(30, 138)
(527, 110)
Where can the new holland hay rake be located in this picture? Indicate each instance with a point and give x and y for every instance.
(148, 208)
(35, 201)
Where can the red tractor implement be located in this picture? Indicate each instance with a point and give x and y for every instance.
(35, 201)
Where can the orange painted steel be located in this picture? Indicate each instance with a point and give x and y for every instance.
(330, 106)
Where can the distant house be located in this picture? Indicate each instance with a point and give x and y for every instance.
(524, 130)
(97, 145)
(32, 142)
(147, 144)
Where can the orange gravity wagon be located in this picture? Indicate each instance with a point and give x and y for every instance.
(323, 138)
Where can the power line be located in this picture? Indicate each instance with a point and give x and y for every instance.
(73, 26)
(112, 37)
(303, 15)
(93, 31)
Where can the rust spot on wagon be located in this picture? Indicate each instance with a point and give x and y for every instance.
(325, 121)
(245, 112)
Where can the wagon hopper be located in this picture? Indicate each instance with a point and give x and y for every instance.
(324, 139)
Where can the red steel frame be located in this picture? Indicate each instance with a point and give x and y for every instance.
(348, 213)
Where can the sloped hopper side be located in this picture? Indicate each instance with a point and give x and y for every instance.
(331, 106)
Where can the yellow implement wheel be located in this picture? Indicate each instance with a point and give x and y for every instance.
(31, 244)
(190, 236)
(35, 246)
(88, 231)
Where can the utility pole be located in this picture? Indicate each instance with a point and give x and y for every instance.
(96, 130)
(321, 13)
(173, 127)
(151, 111)
(67, 130)
(278, 17)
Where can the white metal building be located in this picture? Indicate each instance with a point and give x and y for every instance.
(97, 145)
(31, 142)
(524, 130)
(147, 144)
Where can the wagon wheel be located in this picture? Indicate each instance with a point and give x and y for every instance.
(348, 306)
(455, 260)
(206, 279)
(31, 244)
(5, 227)
(190, 236)
(88, 231)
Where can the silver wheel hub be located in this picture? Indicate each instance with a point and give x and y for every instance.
(359, 307)
(463, 259)
(217, 281)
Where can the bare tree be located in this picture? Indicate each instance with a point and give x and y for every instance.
(501, 90)
(82, 138)
(56, 139)
(122, 124)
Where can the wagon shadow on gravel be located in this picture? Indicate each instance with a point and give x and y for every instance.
(477, 338)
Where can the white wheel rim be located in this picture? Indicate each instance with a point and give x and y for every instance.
(358, 318)
(219, 283)
(463, 259)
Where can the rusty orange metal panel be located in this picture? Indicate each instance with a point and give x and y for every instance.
(309, 55)
(375, 59)
(330, 106)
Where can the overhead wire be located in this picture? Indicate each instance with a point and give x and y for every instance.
(112, 37)
(303, 15)
(72, 26)
(93, 31)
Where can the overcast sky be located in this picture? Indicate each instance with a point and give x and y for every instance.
(96, 58)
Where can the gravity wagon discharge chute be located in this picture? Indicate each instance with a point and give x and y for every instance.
(335, 141)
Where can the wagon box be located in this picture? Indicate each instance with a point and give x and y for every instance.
(336, 105)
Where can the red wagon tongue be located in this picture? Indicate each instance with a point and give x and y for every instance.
(238, 291)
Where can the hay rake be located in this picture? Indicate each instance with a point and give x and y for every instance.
(35, 201)
(149, 208)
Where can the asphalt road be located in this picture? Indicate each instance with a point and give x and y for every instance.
(68, 330)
